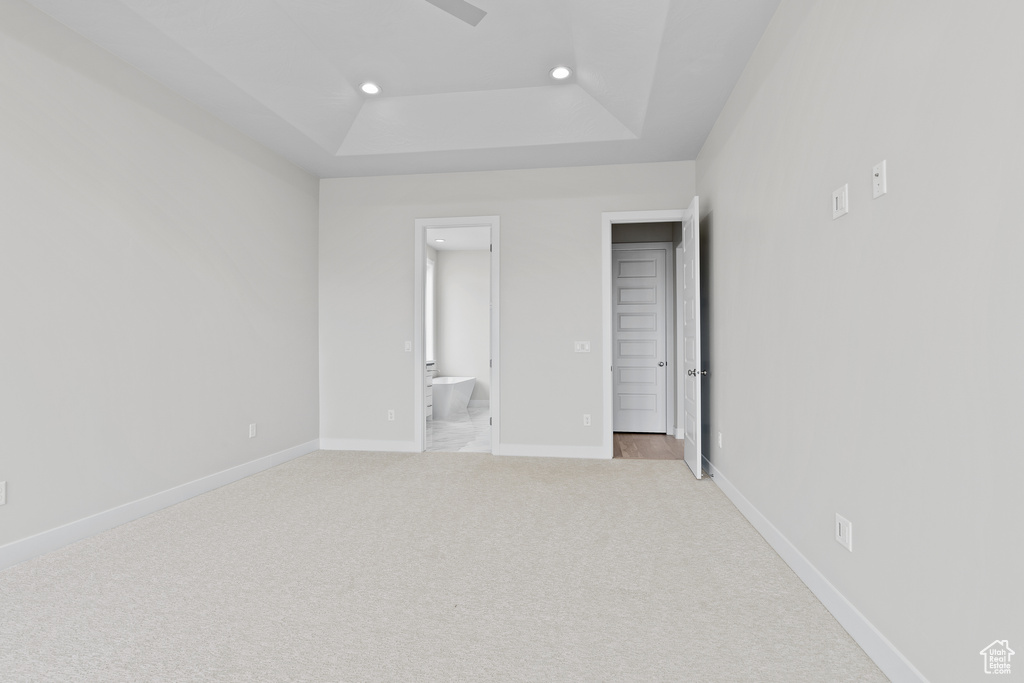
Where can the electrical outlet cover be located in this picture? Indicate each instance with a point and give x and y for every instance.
(878, 182)
(841, 202)
(844, 532)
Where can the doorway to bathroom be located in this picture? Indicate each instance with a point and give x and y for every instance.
(456, 342)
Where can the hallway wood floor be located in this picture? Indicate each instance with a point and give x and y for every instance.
(634, 446)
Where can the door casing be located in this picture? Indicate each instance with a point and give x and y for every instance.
(607, 220)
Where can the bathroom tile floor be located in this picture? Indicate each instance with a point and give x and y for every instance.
(469, 432)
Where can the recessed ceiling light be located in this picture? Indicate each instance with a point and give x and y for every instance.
(370, 88)
(439, 240)
(561, 73)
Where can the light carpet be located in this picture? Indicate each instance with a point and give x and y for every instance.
(428, 567)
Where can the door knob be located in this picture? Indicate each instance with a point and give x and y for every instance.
(661, 364)
(694, 372)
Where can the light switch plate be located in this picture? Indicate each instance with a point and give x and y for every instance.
(582, 347)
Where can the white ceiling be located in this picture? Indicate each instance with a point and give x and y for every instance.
(650, 76)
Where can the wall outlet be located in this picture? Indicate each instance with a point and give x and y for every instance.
(391, 415)
(841, 201)
(408, 346)
(878, 184)
(719, 439)
(844, 532)
(586, 420)
(252, 430)
(3, 493)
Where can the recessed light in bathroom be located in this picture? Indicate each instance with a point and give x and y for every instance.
(370, 88)
(439, 240)
(560, 73)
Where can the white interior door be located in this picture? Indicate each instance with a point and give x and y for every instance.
(689, 273)
(639, 354)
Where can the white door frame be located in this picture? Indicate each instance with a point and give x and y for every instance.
(673, 378)
(419, 342)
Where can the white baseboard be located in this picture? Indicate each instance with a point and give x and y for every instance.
(368, 445)
(680, 434)
(890, 660)
(529, 450)
(47, 541)
(540, 451)
(287, 454)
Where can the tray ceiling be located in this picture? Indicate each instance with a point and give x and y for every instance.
(649, 76)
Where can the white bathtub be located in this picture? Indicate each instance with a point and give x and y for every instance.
(451, 395)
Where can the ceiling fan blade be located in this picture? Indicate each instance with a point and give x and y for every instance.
(461, 10)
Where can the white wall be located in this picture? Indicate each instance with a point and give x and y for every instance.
(464, 318)
(873, 365)
(550, 292)
(158, 285)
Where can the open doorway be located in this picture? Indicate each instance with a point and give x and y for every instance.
(651, 305)
(639, 333)
(456, 322)
(643, 340)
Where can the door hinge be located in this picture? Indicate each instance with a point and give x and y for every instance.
(490, 420)
(490, 248)
(490, 363)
